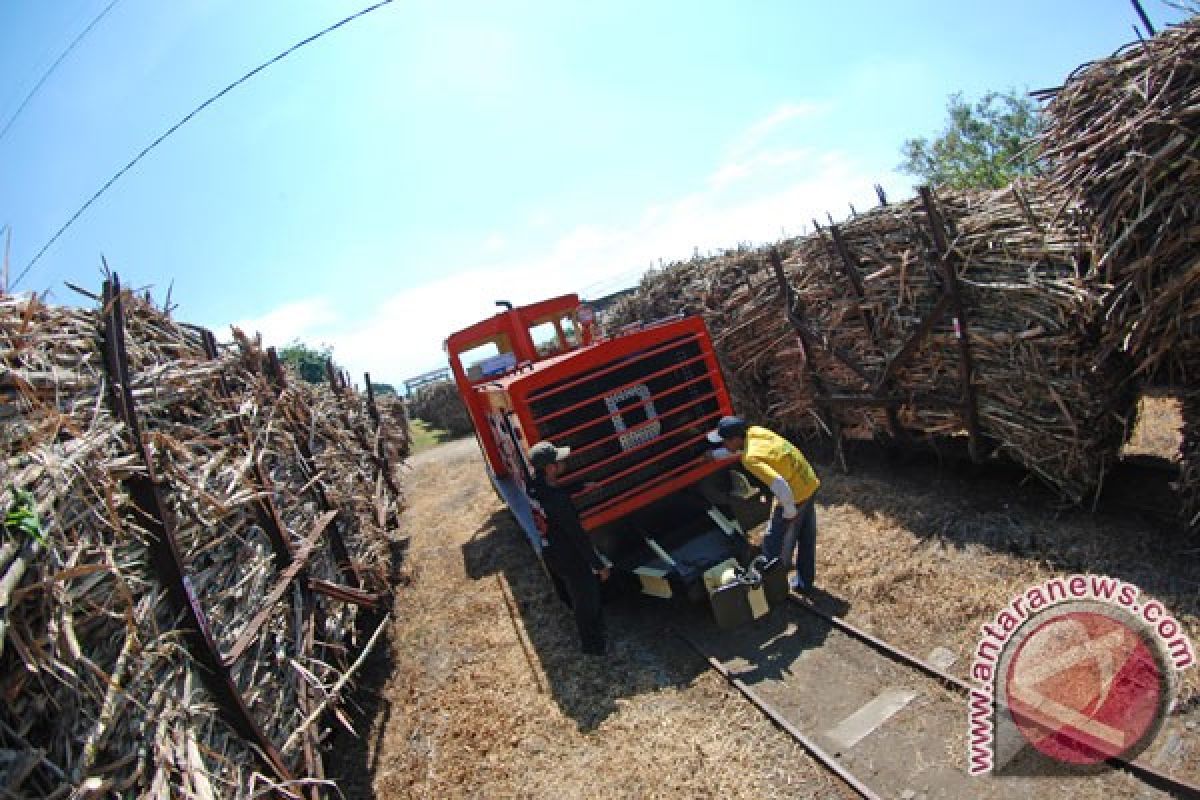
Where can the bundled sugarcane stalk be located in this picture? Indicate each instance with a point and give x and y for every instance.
(1122, 138)
(440, 405)
(105, 692)
(397, 440)
(879, 352)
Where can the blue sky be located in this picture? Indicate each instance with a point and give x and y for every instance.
(386, 184)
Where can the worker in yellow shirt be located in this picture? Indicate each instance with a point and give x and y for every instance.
(792, 531)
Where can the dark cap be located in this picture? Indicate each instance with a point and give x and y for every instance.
(543, 454)
(728, 428)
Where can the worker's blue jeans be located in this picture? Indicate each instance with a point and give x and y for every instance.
(795, 541)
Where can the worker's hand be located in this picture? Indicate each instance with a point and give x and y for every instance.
(604, 573)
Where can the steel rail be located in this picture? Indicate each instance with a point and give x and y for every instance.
(1175, 787)
(770, 712)
(1150, 775)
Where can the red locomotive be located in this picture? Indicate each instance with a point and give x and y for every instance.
(634, 409)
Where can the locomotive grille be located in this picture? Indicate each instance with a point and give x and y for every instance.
(632, 422)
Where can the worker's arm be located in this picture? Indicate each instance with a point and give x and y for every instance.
(779, 487)
(783, 493)
(578, 487)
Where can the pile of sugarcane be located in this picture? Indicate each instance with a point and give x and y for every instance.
(119, 439)
(873, 349)
(1122, 139)
(393, 415)
(440, 405)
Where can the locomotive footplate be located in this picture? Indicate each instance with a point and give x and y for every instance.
(715, 567)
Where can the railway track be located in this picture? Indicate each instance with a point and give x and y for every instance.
(888, 724)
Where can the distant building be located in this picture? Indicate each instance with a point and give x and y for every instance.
(424, 379)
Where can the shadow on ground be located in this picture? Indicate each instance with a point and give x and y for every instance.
(766, 650)
(646, 654)
(351, 759)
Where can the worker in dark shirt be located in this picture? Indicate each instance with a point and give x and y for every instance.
(566, 548)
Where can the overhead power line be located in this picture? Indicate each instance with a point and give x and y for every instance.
(146, 150)
(1141, 12)
(46, 75)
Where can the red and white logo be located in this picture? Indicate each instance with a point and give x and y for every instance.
(1084, 683)
(1073, 673)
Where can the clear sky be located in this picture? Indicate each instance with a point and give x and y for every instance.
(386, 184)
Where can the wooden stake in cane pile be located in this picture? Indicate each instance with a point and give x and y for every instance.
(1122, 138)
(879, 350)
(106, 687)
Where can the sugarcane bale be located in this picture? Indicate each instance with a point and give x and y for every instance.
(441, 406)
(866, 289)
(96, 675)
(393, 416)
(1121, 138)
(1025, 310)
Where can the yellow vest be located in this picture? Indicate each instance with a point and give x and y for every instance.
(767, 456)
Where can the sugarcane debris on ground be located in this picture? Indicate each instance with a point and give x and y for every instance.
(483, 692)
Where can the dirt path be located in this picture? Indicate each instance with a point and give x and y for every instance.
(483, 694)
(469, 709)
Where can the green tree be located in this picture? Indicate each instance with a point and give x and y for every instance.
(308, 362)
(984, 146)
